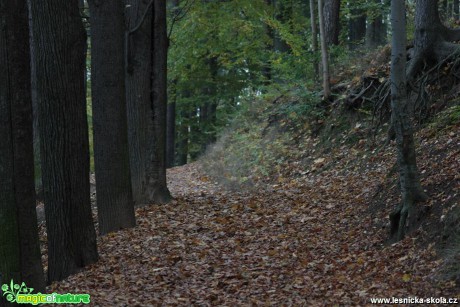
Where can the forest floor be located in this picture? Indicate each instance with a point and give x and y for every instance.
(312, 239)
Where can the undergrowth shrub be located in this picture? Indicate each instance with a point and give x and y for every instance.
(261, 139)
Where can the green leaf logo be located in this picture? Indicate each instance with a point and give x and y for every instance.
(12, 290)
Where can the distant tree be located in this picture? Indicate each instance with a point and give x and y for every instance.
(376, 31)
(20, 257)
(111, 154)
(332, 21)
(456, 9)
(324, 52)
(59, 56)
(283, 13)
(171, 127)
(171, 111)
(356, 26)
(411, 189)
(314, 34)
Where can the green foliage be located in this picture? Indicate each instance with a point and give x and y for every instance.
(221, 54)
(262, 136)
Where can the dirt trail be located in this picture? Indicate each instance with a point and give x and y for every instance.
(306, 242)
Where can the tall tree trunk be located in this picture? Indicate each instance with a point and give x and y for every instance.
(111, 156)
(182, 148)
(20, 257)
(314, 41)
(59, 43)
(156, 169)
(324, 52)
(171, 111)
(376, 30)
(408, 173)
(283, 13)
(332, 21)
(433, 40)
(138, 92)
(267, 66)
(146, 95)
(356, 27)
(456, 9)
(38, 179)
(171, 129)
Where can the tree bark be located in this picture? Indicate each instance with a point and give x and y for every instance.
(138, 92)
(432, 41)
(20, 257)
(171, 130)
(456, 9)
(332, 21)
(147, 45)
(411, 189)
(156, 168)
(376, 30)
(324, 52)
(111, 156)
(314, 34)
(59, 43)
(356, 27)
(283, 13)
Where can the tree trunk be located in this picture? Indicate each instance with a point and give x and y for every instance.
(138, 92)
(314, 41)
(432, 41)
(113, 180)
(20, 257)
(147, 56)
(156, 168)
(332, 21)
(456, 9)
(376, 31)
(283, 13)
(171, 128)
(406, 214)
(356, 27)
(59, 42)
(324, 52)
(267, 66)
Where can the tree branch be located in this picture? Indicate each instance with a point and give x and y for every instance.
(141, 21)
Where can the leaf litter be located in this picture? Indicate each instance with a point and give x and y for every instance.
(307, 241)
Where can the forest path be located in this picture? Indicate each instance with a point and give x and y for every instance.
(305, 242)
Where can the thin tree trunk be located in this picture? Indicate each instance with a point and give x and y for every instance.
(408, 172)
(171, 129)
(314, 34)
(456, 9)
(324, 52)
(20, 257)
(332, 21)
(356, 27)
(376, 30)
(59, 42)
(283, 13)
(111, 156)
